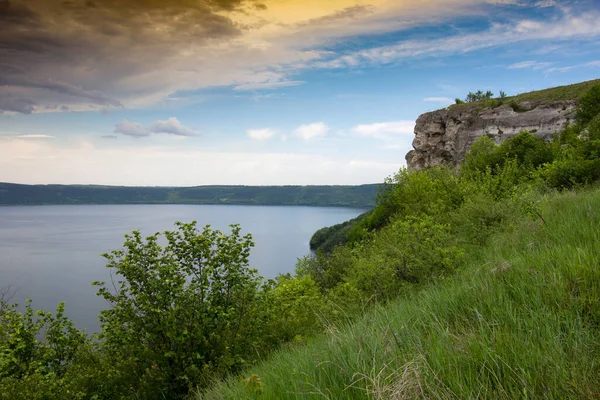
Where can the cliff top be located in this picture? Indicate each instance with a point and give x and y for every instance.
(538, 97)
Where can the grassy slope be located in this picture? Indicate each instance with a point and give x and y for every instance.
(546, 96)
(521, 320)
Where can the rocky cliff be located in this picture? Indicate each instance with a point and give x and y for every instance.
(445, 136)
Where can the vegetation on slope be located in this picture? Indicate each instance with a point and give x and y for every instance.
(344, 196)
(325, 239)
(538, 97)
(482, 283)
(570, 162)
(520, 320)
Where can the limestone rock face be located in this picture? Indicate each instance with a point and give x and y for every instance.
(445, 136)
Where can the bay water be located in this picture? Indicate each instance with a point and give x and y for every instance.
(51, 254)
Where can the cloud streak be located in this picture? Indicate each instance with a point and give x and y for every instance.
(438, 100)
(171, 126)
(534, 65)
(20, 135)
(569, 26)
(571, 67)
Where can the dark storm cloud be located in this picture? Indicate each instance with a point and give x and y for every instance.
(80, 51)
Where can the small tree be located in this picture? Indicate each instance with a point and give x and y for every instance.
(181, 312)
(478, 96)
(589, 106)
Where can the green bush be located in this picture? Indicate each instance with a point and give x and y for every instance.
(328, 238)
(527, 151)
(295, 304)
(326, 269)
(589, 106)
(182, 312)
(409, 251)
(480, 216)
(412, 193)
(516, 107)
(37, 349)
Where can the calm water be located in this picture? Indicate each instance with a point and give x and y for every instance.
(52, 253)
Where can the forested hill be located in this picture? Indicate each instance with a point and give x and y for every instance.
(346, 196)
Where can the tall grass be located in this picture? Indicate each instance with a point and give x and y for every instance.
(520, 320)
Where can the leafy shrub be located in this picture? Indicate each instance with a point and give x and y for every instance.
(295, 304)
(412, 250)
(181, 312)
(527, 151)
(326, 239)
(37, 349)
(326, 269)
(492, 103)
(578, 156)
(589, 106)
(412, 193)
(569, 172)
(480, 216)
(516, 107)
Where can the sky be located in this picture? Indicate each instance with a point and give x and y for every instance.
(260, 92)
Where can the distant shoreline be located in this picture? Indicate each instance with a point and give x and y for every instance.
(360, 196)
(184, 204)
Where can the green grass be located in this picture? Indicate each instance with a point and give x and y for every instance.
(521, 320)
(540, 97)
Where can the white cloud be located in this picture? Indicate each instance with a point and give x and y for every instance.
(21, 135)
(172, 126)
(569, 26)
(81, 162)
(534, 65)
(267, 85)
(312, 131)
(438, 100)
(134, 129)
(260, 134)
(396, 135)
(385, 130)
(35, 136)
(559, 69)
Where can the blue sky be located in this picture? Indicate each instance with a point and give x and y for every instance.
(271, 93)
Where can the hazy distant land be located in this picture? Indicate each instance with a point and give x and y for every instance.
(343, 196)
